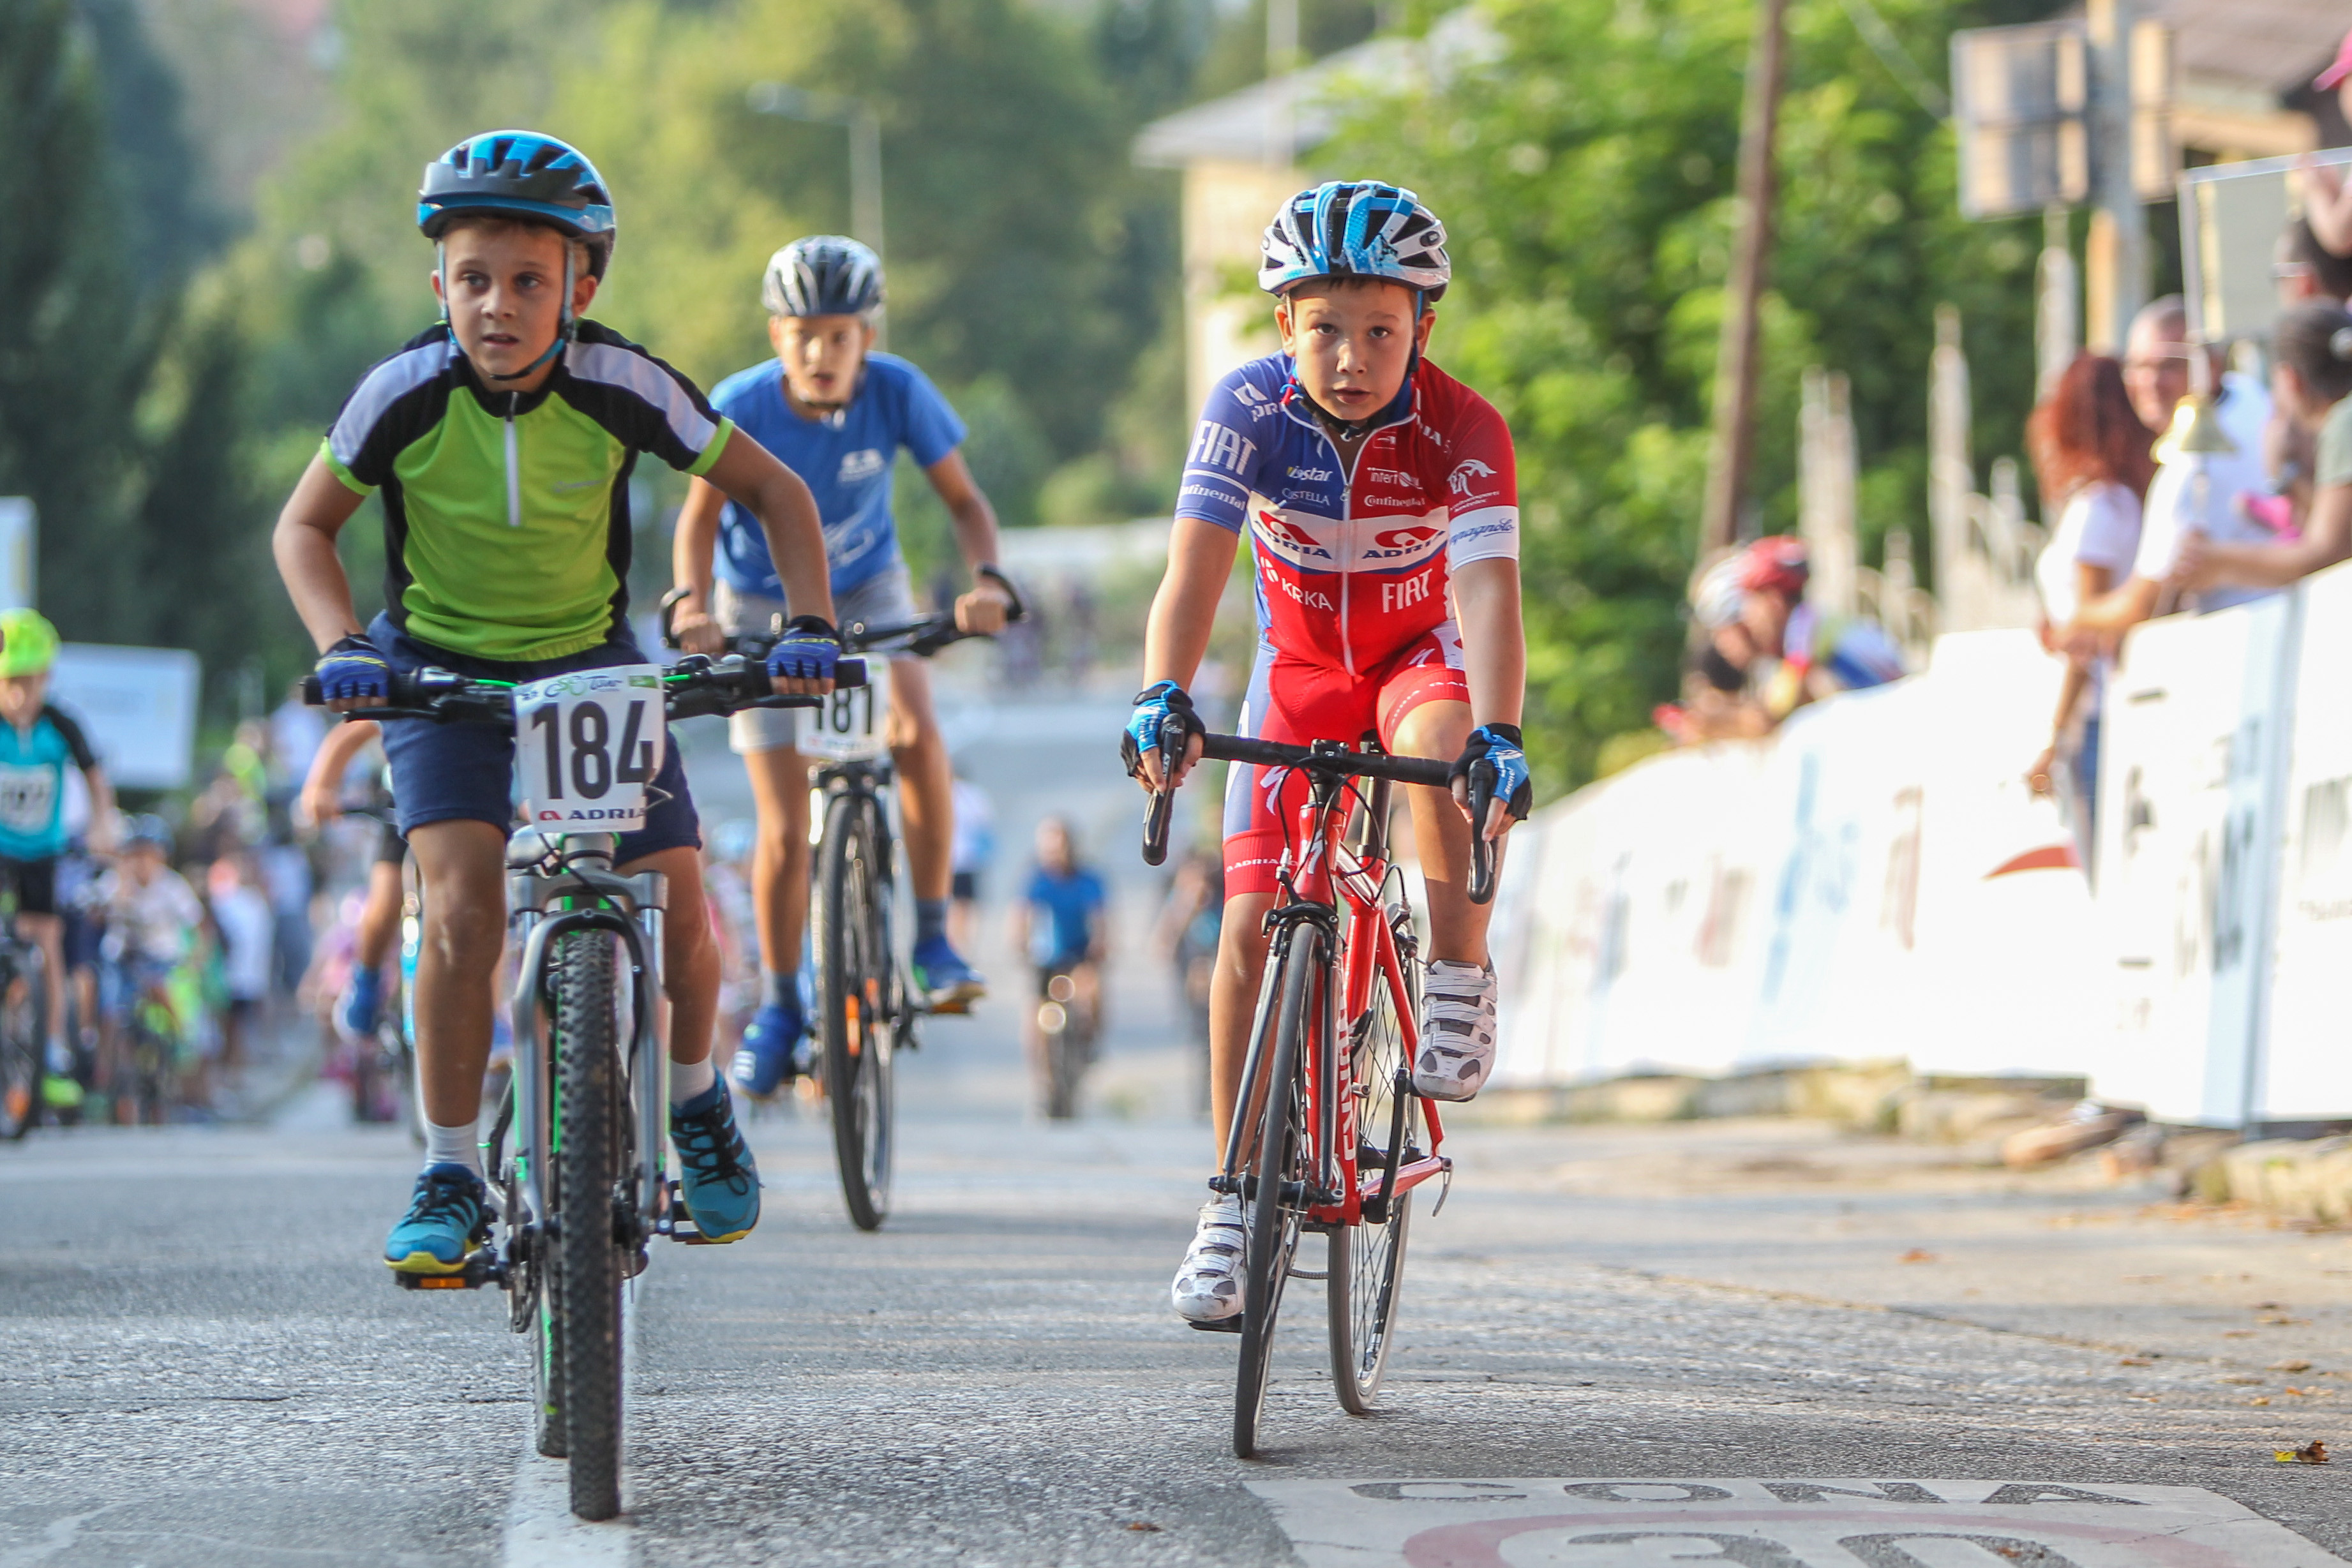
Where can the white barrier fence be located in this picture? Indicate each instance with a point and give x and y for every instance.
(1877, 881)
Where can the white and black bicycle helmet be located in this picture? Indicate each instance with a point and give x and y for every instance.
(1355, 228)
(822, 275)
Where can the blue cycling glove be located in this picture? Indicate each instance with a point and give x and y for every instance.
(1501, 745)
(808, 651)
(1157, 705)
(353, 669)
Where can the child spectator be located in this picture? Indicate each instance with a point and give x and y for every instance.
(2311, 375)
(242, 914)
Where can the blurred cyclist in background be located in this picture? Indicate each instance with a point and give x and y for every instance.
(1062, 923)
(836, 413)
(37, 744)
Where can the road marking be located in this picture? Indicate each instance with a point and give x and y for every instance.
(1571, 1523)
(541, 1531)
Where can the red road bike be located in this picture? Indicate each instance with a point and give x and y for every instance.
(1334, 1140)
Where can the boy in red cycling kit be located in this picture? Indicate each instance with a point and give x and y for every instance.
(1380, 500)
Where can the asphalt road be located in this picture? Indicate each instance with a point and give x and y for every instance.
(205, 1364)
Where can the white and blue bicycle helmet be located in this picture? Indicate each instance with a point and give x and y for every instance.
(1355, 228)
(822, 275)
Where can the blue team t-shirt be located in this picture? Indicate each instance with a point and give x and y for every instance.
(33, 763)
(1069, 902)
(845, 458)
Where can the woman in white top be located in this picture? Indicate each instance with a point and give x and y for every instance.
(2091, 456)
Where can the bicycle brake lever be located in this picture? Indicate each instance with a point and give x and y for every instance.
(1482, 848)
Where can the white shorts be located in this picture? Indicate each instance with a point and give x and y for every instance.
(885, 599)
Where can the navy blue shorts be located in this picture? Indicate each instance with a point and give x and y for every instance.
(464, 772)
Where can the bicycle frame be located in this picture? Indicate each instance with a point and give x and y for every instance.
(1323, 878)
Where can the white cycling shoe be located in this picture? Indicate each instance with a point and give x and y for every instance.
(1457, 1030)
(1207, 1287)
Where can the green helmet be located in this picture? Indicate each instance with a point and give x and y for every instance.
(29, 643)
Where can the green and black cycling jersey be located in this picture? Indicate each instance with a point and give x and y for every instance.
(507, 514)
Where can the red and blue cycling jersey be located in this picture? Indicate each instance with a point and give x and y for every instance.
(1353, 566)
(1354, 613)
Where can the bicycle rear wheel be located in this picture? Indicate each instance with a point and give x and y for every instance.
(20, 1055)
(1367, 1260)
(590, 1116)
(855, 1032)
(1271, 1214)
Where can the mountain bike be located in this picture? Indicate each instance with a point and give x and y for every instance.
(866, 1010)
(1330, 1137)
(585, 1186)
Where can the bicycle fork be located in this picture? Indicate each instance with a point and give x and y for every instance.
(586, 894)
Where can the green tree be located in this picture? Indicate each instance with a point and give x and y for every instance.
(1584, 173)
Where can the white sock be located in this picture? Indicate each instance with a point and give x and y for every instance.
(452, 1146)
(689, 1079)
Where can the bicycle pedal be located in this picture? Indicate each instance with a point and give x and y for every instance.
(951, 1007)
(1222, 1326)
(481, 1268)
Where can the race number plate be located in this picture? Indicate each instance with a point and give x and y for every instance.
(588, 744)
(849, 727)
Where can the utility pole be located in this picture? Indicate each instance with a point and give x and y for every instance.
(1281, 60)
(865, 128)
(1733, 447)
(2116, 253)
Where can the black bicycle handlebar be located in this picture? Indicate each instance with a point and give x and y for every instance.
(1330, 759)
(923, 636)
(696, 685)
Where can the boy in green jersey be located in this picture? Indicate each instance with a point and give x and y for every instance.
(501, 442)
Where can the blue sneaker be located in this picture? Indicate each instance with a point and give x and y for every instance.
(716, 1176)
(443, 1222)
(766, 1061)
(948, 984)
(362, 1003)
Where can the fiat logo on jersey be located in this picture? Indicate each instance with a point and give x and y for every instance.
(1282, 531)
(1405, 538)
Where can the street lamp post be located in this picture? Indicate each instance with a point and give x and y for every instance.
(788, 103)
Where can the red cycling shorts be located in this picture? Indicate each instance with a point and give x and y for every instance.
(1295, 701)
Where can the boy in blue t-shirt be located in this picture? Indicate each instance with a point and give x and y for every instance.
(835, 413)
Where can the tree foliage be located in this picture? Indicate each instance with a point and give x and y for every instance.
(1585, 175)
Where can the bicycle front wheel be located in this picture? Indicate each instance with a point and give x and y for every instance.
(856, 1032)
(590, 1118)
(1274, 1209)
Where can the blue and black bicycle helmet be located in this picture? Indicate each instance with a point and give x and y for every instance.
(522, 174)
(1355, 228)
(822, 275)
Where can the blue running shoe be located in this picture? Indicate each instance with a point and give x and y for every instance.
(721, 1184)
(948, 984)
(443, 1222)
(362, 1003)
(767, 1060)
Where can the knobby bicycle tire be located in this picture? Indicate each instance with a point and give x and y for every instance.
(1367, 1260)
(21, 1022)
(1272, 1228)
(587, 1253)
(853, 999)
